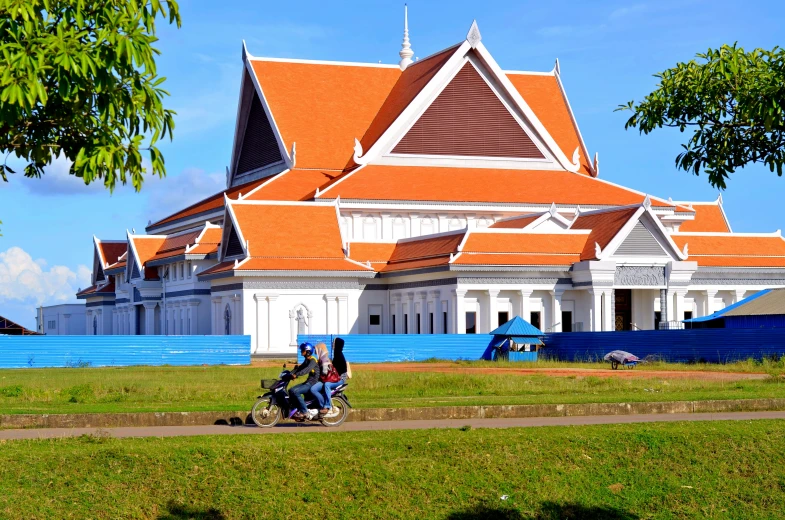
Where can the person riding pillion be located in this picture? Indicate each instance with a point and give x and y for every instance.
(309, 366)
(322, 390)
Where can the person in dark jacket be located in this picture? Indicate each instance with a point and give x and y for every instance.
(310, 368)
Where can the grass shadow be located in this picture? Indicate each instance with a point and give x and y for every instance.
(547, 511)
(175, 511)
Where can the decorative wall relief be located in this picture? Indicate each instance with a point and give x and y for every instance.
(639, 275)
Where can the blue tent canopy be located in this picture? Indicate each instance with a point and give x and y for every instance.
(517, 327)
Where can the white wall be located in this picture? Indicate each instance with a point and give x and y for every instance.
(69, 320)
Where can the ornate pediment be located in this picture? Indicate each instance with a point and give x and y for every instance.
(639, 275)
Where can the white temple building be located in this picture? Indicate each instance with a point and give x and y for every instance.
(440, 195)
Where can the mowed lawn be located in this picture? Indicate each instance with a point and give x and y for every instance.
(223, 388)
(666, 470)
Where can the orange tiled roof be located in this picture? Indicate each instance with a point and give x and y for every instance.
(517, 222)
(442, 184)
(423, 252)
(409, 84)
(212, 235)
(287, 264)
(544, 97)
(94, 289)
(708, 218)
(147, 247)
(522, 249)
(212, 202)
(733, 250)
(378, 254)
(323, 107)
(604, 226)
(294, 185)
(111, 251)
(175, 245)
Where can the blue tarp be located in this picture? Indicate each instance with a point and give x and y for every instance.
(721, 312)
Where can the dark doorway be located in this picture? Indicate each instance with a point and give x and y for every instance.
(535, 319)
(471, 323)
(657, 320)
(566, 321)
(623, 318)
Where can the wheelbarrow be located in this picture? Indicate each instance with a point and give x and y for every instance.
(620, 357)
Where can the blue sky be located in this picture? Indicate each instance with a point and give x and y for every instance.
(608, 52)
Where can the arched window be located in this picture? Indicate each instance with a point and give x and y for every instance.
(483, 222)
(455, 224)
(228, 320)
(369, 228)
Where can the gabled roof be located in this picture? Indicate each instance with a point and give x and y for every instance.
(375, 253)
(481, 185)
(709, 217)
(604, 226)
(144, 248)
(11, 328)
(518, 222)
(110, 250)
(211, 203)
(421, 252)
(733, 249)
(517, 326)
(97, 290)
(323, 106)
(286, 237)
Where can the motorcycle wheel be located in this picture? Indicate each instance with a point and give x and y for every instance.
(336, 419)
(265, 414)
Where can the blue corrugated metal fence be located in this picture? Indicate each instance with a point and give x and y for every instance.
(377, 348)
(705, 345)
(102, 351)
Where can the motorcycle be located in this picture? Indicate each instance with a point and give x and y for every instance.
(274, 405)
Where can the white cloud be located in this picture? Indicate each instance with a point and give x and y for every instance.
(57, 181)
(173, 193)
(28, 283)
(627, 11)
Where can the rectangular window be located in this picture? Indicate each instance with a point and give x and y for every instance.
(189, 269)
(405, 323)
(419, 330)
(444, 325)
(430, 322)
(471, 322)
(393, 323)
(687, 315)
(374, 319)
(182, 270)
(657, 320)
(504, 317)
(566, 321)
(172, 272)
(535, 319)
(52, 324)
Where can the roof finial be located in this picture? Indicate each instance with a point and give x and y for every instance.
(406, 48)
(557, 68)
(596, 163)
(474, 37)
(647, 202)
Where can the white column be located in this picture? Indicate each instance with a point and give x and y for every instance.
(471, 222)
(397, 309)
(436, 296)
(411, 312)
(608, 317)
(710, 294)
(493, 310)
(596, 309)
(556, 325)
(332, 316)
(357, 225)
(460, 311)
(524, 303)
(414, 226)
(237, 315)
(149, 318)
(738, 295)
(443, 224)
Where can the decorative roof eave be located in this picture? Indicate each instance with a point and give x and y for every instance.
(238, 273)
(288, 158)
(664, 236)
(594, 167)
(180, 258)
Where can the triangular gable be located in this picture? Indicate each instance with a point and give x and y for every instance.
(640, 242)
(98, 271)
(468, 119)
(233, 245)
(258, 146)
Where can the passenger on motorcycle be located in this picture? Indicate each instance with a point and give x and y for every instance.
(322, 391)
(310, 366)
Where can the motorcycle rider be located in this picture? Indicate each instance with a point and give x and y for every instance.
(310, 366)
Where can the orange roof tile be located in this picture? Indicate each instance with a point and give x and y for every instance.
(323, 107)
(94, 289)
(409, 84)
(175, 245)
(515, 259)
(708, 218)
(212, 202)
(517, 222)
(147, 247)
(290, 231)
(544, 97)
(111, 251)
(551, 243)
(203, 249)
(212, 235)
(294, 185)
(604, 226)
(423, 252)
(287, 264)
(734, 250)
(373, 252)
(424, 183)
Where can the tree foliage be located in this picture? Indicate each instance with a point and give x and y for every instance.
(79, 80)
(732, 101)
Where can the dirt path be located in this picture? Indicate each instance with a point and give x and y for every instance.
(290, 427)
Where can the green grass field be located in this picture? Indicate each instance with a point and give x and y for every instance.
(132, 389)
(667, 470)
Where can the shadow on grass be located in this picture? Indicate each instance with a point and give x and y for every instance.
(175, 511)
(548, 511)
